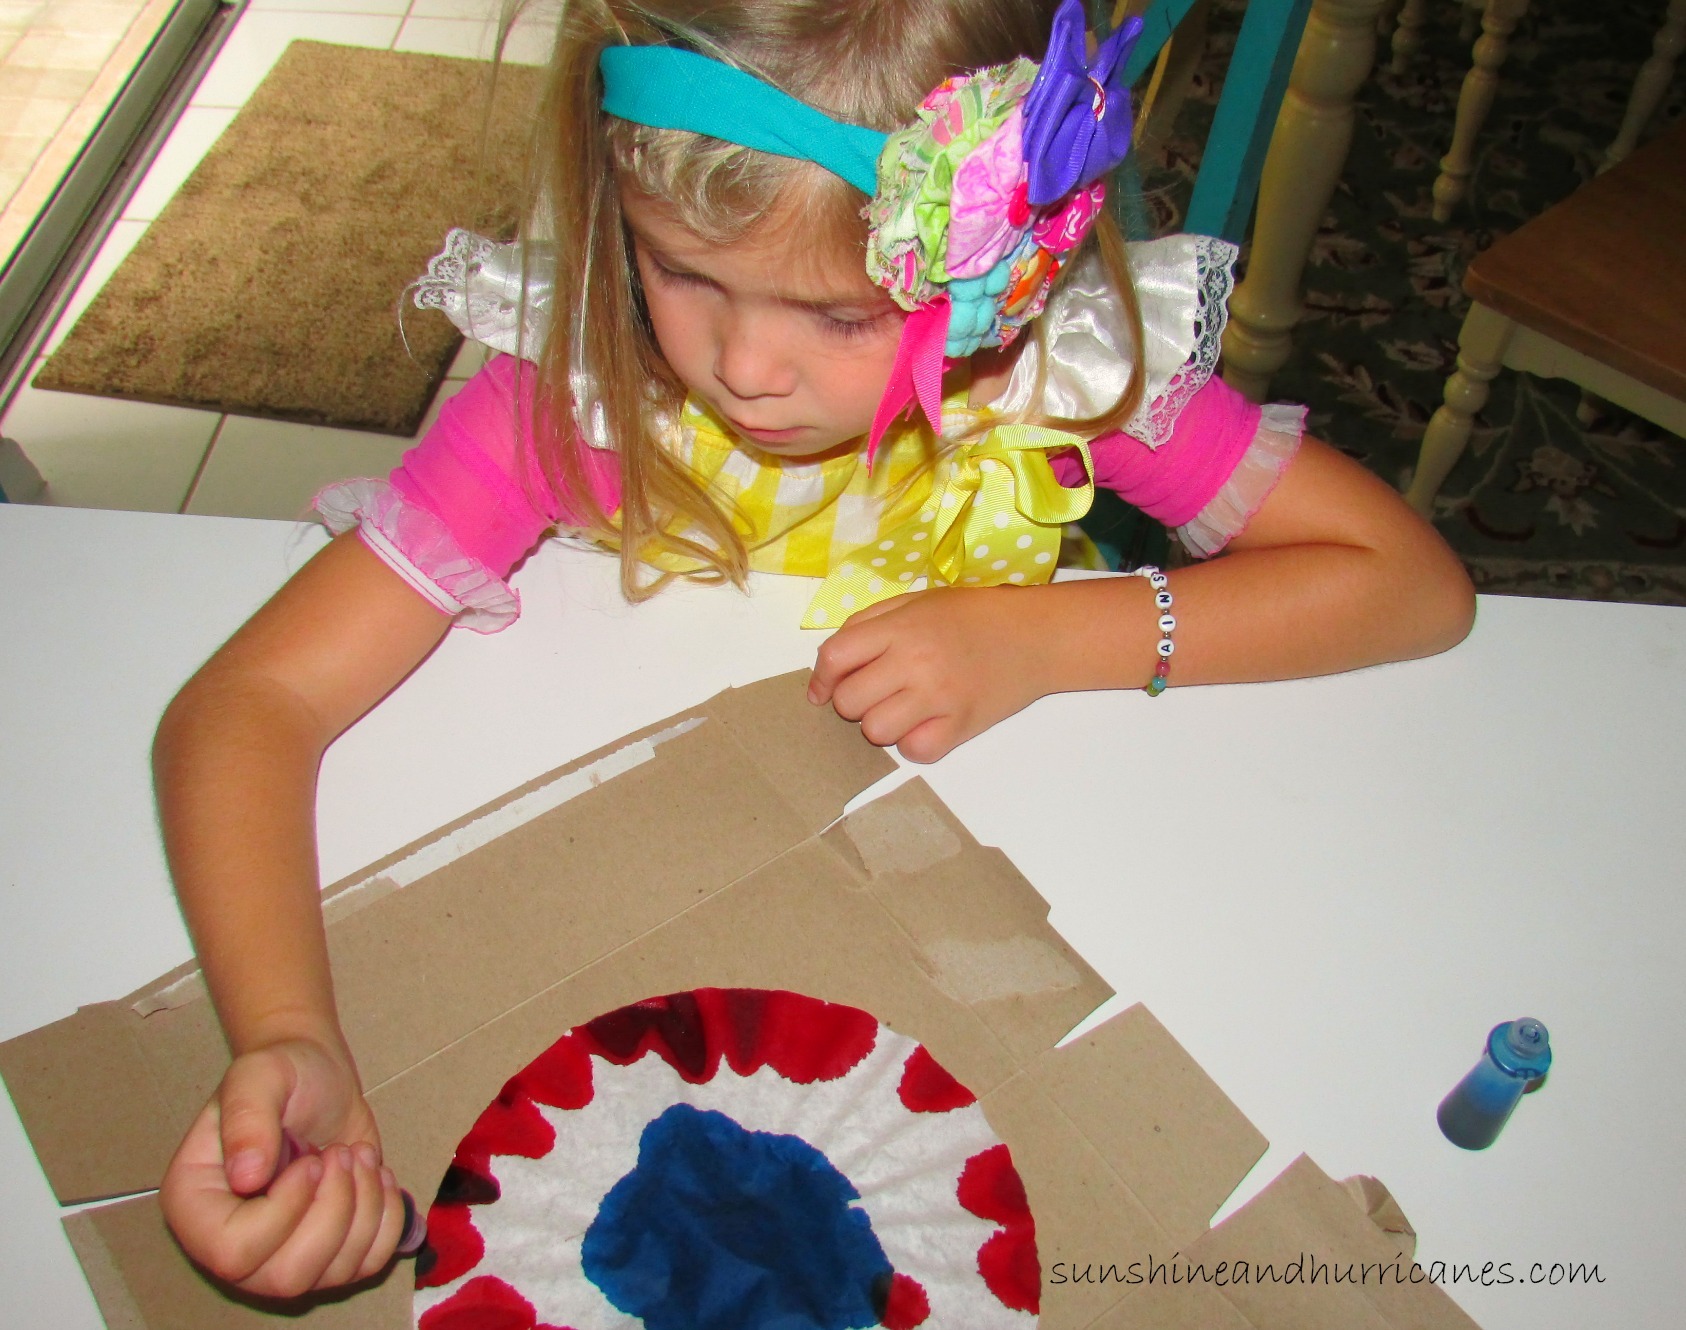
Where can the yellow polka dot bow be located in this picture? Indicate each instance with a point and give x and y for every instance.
(994, 518)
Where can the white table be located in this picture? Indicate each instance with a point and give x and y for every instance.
(1328, 890)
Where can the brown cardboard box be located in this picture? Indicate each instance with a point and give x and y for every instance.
(705, 852)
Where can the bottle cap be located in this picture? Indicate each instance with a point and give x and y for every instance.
(1521, 1047)
(414, 1237)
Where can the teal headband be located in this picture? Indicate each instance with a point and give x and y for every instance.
(668, 88)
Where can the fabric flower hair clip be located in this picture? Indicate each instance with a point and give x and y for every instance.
(973, 206)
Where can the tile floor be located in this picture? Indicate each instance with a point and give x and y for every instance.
(96, 452)
(62, 63)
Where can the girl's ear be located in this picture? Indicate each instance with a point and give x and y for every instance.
(992, 367)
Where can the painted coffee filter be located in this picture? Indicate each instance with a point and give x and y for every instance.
(730, 1158)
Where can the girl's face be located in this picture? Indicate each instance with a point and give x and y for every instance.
(791, 344)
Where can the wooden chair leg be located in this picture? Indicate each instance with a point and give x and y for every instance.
(1173, 77)
(1589, 410)
(1408, 34)
(1653, 81)
(1469, 20)
(1307, 154)
(1481, 350)
(1475, 100)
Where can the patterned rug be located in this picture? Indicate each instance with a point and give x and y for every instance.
(1540, 504)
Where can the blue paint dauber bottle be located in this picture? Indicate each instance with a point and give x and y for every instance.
(1517, 1053)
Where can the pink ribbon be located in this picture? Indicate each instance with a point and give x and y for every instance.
(917, 372)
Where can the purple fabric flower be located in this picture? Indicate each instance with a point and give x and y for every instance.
(1077, 113)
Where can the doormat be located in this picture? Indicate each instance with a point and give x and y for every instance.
(272, 283)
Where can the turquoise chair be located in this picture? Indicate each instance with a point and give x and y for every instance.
(1257, 78)
(1225, 189)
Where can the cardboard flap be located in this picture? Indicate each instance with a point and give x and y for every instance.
(1158, 1120)
(1314, 1261)
(140, 1280)
(1083, 1208)
(978, 927)
(834, 765)
(816, 760)
(118, 1308)
(1376, 1201)
(98, 1121)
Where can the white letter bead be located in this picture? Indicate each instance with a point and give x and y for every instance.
(1158, 581)
(1163, 600)
(1167, 624)
(1166, 647)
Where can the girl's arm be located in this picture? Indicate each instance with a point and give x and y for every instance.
(1334, 572)
(235, 762)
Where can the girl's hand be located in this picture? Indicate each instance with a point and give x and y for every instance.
(324, 1220)
(928, 670)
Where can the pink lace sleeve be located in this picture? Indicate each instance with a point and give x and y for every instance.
(458, 514)
(1222, 458)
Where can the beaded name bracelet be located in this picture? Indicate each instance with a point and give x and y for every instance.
(1167, 625)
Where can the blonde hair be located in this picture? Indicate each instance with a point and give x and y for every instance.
(868, 62)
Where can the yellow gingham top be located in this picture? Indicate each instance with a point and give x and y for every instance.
(984, 512)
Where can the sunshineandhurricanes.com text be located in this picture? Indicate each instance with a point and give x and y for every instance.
(1308, 1269)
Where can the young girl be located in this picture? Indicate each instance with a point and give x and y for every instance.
(751, 284)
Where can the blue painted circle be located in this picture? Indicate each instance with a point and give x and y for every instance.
(719, 1228)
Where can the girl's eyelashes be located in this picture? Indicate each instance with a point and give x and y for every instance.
(847, 328)
(843, 327)
(678, 277)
